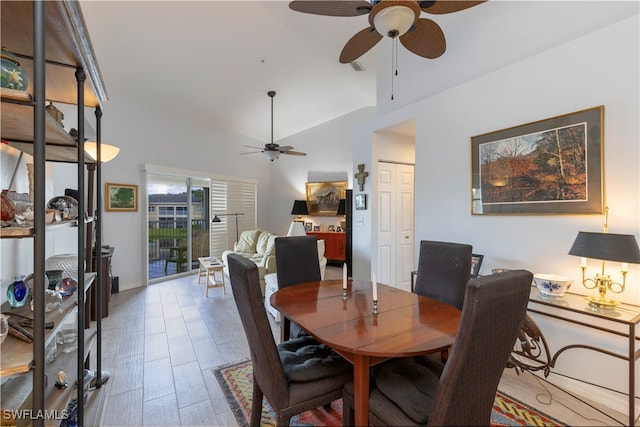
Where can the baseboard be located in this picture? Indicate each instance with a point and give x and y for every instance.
(128, 286)
(617, 401)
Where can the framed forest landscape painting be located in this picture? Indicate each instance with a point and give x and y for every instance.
(551, 166)
(121, 197)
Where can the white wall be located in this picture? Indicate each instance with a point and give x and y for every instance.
(600, 68)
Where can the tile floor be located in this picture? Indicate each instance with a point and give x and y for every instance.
(161, 343)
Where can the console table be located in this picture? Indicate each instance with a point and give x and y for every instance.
(532, 352)
(335, 243)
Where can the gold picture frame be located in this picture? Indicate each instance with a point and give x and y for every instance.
(323, 198)
(121, 197)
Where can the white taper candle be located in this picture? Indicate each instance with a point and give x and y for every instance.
(344, 276)
(374, 284)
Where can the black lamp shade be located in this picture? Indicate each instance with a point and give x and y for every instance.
(342, 207)
(606, 246)
(300, 208)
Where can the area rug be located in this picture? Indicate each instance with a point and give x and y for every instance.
(236, 381)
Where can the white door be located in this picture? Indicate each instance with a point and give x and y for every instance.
(395, 224)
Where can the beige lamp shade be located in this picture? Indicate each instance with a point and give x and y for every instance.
(107, 152)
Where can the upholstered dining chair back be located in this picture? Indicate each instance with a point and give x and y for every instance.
(294, 376)
(296, 262)
(460, 393)
(268, 372)
(493, 313)
(444, 268)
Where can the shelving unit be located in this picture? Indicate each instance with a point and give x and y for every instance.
(51, 42)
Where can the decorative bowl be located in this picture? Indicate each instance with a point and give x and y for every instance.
(67, 207)
(551, 285)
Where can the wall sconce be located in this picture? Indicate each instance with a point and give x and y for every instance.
(606, 247)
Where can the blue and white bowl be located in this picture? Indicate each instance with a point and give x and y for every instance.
(552, 285)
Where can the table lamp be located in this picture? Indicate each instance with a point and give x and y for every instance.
(299, 208)
(605, 247)
(297, 226)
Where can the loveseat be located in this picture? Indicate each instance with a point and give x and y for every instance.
(259, 246)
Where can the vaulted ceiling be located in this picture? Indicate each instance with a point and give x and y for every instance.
(214, 61)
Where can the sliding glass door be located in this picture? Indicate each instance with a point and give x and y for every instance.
(178, 224)
(181, 205)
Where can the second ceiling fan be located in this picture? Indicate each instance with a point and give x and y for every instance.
(273, 150)
(396, 19)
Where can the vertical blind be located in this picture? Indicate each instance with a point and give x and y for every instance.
(229, 197)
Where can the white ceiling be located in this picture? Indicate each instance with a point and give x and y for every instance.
(214, 61)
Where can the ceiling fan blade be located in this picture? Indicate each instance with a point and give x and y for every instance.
(285, 148)
(252, 152)
(331, 8)
(359, 44)
(447, 6)
(257, 148)
(426, 39)
(293, 153)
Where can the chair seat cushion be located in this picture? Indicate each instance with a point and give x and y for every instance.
(410, 385)
(305, 359)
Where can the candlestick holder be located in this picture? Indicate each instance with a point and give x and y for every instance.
(375, 307)
(344, 295)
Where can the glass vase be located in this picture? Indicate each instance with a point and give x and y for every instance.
(18, 292)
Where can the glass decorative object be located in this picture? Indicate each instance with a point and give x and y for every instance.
(17, 292)
(54, 276)
(4, 327)
(68, 263)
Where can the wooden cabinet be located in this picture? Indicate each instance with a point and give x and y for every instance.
(335, 244)
(52, 45)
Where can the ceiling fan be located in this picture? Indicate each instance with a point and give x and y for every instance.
(273, 150)
(396, 19)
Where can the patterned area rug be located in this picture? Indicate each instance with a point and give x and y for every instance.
(236, 381)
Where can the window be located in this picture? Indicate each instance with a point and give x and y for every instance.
(167, 210)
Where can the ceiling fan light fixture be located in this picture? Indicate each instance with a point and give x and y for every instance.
(396, 20)
(272, 155)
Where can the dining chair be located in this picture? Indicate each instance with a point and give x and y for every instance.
(444, 268)
(461, 392)
(296, 375)
(296, 262)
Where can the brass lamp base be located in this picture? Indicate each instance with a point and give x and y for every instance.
(602, 302)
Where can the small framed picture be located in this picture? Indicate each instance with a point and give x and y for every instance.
(316, 228)
(361, 201)
(308, 226)
(332, 228)
(476, 262)
(121, 197)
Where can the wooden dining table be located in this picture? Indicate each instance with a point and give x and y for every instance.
(406, 324)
